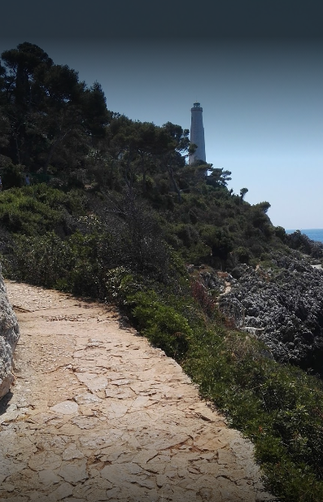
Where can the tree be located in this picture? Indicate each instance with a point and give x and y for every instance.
(243, 192)
(174, 147)
(21, 95)
(142, 148)
(135, 236)
(217, 177)
(50, 111)
(23, 67)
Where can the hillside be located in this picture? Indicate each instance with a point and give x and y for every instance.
(107, 208)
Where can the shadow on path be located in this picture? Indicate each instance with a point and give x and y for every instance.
(4, 402)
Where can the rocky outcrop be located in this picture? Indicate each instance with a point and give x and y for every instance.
(282, 306)
(9, 335)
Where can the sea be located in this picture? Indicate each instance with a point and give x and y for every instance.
(315, 234)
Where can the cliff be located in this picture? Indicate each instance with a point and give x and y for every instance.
(9, 335)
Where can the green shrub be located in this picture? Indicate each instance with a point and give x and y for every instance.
(40, 260)
(242, 254)
(120, 284)
(161, 324)
(37, 209)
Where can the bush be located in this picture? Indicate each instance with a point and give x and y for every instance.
(12, 176)
(39, 209)
(203, 297)
(242, 254)
(41, 260)
(162, 325)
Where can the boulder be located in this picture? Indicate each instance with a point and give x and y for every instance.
(9, 335)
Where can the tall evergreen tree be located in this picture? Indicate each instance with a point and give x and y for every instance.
(49, 110)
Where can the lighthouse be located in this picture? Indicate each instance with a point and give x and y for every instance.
(197, 134)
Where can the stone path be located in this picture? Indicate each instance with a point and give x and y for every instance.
(97, 414)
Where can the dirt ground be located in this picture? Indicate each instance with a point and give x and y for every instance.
(97, 414)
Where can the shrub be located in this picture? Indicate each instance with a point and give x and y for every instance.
(161, 324)
(41, 260)
(242, 254)
(204, 299)
(12, 176)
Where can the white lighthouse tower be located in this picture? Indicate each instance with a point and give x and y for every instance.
(197, 134)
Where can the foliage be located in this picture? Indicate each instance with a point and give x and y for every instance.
(48, 113)
(12, 176)
(203, 298)
(302, 243)
(37, 209)
(161, 324)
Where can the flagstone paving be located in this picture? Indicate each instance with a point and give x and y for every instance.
(97, 414)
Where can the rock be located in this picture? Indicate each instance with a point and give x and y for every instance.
(9, 335)
(282, 306)
(65, 407)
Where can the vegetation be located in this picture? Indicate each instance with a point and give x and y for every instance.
(113, 212)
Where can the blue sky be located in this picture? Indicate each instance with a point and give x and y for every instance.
(260, 86)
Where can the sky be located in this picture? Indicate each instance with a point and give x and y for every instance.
(256, 67)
